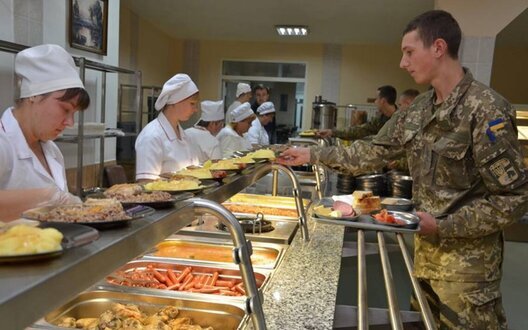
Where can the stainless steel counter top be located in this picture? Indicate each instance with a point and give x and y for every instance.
(30, 290)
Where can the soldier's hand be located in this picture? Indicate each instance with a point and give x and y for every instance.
(324, 133)
(427, 224)
(392, 164)
(294, 156)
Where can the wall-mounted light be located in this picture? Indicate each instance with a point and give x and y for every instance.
(292, 30)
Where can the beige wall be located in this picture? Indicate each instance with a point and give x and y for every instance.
(510, 73)
(364, 68)
(483, 17)
(212, 53)
(145, 48)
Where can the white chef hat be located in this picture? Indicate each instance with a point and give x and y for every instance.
(241, 112)
(242, 88)
(44, 69)
(176, 89)
(212, 110)
(265, 108)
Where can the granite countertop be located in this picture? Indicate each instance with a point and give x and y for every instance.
(302, 291)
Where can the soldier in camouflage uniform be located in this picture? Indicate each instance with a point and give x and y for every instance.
(386, 104)
(469, 180)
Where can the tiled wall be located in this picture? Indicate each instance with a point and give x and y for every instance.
(476, 53)
(27, 21)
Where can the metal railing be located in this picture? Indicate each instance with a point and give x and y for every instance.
(396, 317)
(297, 192)
(241, 256)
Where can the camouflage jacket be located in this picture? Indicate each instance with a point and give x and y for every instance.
(467, 171)
(372, 127)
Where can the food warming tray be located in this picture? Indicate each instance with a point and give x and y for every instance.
(225, 273)
(219, 251)
(226, 315)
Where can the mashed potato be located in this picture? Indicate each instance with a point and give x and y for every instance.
(224, 164)
(173, 185)
(24, 239)
(263, 153)
(200, 173)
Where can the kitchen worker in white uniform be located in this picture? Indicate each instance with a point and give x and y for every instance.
(163, 146)
(204, 133)
(50, 93)
(231, 137)
(243, 94)
(257, 134)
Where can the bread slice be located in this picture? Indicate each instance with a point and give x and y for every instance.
(365, 202)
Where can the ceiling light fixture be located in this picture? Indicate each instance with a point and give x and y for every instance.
(292, 30)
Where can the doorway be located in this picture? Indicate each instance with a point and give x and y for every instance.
(286, 82)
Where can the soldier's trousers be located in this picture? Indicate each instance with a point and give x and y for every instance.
(464, 306)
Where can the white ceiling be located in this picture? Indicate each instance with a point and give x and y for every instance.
(329, 21)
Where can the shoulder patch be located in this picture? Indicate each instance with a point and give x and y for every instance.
(504, 171)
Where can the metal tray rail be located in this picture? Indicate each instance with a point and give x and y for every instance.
(349, 316)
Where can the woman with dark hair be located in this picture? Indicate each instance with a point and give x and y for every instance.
(50, 93)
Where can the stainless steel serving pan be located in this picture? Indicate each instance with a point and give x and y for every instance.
(220, 315)
(226, 273)
(260, 250)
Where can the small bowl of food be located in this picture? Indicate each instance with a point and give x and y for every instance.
(397, 204)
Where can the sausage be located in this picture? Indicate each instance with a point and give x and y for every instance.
(209, 290)
(345, 208)
(174, 286)
(172, 276)
(228, 293)
(159, 277)
(239, 288)
(183, 274)
(186, 282)
(228, 284)
(215, 277)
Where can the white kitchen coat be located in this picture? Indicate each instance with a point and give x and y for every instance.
(207, 146)
(158, 150)
(228, 116)
(257, 134)
(230, 141)
(19, 166)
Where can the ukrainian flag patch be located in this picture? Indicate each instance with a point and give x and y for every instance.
(493, 127)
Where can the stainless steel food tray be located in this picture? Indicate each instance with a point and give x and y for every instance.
(226, 315)
(364, 221)
(222, 243)
(226, 272)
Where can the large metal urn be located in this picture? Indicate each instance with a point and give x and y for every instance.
(324, 114)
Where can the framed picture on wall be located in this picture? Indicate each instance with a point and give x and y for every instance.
(88, 28)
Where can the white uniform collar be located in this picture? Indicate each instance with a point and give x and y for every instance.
(23, 151)
(200, 128)
(256, 123)
(12, 129)
(168, 129)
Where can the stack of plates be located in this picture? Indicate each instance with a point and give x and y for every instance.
(346, 184)
(400, 186)
(373, 182)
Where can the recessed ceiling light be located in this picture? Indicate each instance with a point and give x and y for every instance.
(292, 30)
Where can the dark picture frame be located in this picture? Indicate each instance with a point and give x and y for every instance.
(88, 25)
